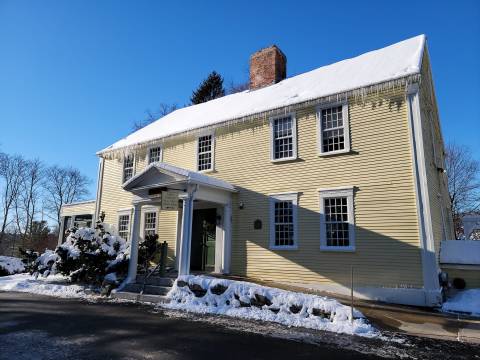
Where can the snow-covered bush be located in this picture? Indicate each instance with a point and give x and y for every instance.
(88, 255)
(10, 265)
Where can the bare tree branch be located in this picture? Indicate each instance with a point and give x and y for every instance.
(163, 110)
(63, 186)
(463, 182)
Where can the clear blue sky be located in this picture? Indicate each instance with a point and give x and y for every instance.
(75, 75)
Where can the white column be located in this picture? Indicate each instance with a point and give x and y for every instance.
(219, 240)
(132, 265)
(186, 238)
(227, 237)
(61, 231)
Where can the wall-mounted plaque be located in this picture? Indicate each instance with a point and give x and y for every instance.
(170, 200)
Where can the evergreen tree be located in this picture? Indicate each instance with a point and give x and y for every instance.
(210, 88)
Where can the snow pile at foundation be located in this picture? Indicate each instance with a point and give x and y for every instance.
(54, 285)
(203, 294)
(11, 265)
(466, 302)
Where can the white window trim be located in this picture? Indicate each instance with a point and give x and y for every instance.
(283, 196)
(212, 134)
(123, 167)
(272, 138)
(346, 128)
(152, 147)
(332, 193)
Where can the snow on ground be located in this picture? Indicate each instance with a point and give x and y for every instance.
(466, 301)
(266, 304)
(12, 265)
(53, 285)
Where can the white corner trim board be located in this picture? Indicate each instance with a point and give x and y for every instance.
(429, 265)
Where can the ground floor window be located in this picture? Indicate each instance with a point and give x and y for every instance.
(283, 221)
(123, 226)
(150, 223)
(337, 219)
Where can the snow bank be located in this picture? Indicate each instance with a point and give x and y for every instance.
(201, 294)
(466, 301)
(465, 252)
(390, 63)
(11, 265)
(54, 285)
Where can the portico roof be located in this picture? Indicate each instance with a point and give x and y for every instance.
(163, 174)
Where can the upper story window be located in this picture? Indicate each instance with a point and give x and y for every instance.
(150, 223)
(128, 162)
(283, 221)
(154, 154)
(334, 131)
(205, 153)
(123, 226)
(284, 137)
(337, 230)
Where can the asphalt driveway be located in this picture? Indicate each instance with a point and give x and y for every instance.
(40, 327)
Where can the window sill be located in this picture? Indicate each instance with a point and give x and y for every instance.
(283, 159)
(338, 248)
(294, 247)
(206, 171)
(332, 153)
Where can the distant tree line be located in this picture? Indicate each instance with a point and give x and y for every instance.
(32, 193)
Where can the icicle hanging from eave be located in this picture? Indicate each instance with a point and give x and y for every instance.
(263, 117)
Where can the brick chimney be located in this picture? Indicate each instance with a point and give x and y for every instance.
(267, 66)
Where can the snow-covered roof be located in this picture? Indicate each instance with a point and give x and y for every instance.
(189, 176)
(393, 62)
(465, 252)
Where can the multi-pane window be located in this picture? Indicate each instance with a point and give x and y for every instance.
(204, 153)
(123, 226)
(283, 131)
(333, 129)
(128, 167)
(283, 221)
(154, 154)
(336, 221)
(150, 223)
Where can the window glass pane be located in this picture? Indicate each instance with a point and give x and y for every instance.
(154, 154)
(150, 223)
(284, 228)
(123, 225)
(127, 167)
(283, 137)
(333, 138)
(204, 153)
(336, 221)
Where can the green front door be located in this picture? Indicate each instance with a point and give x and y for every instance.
(203, 240)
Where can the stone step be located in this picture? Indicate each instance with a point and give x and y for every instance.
(156, 280)
(125, 295)
(149, 289)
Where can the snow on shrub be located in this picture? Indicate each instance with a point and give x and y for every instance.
(88, 255)
(11, 265)
(203, 294)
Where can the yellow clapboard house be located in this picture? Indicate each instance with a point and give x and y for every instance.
(296, 179)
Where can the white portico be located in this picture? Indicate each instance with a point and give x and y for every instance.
(164, 185)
